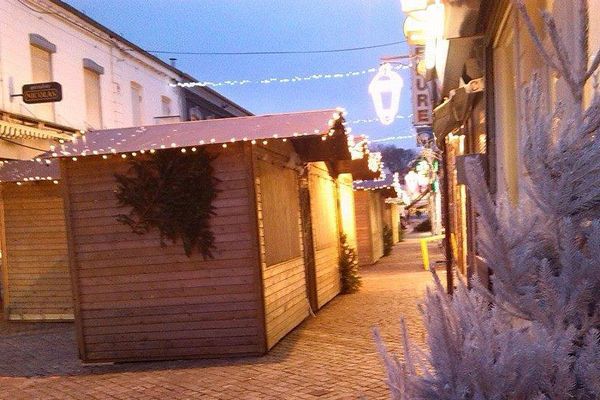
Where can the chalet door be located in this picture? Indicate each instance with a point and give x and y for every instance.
(308, 245)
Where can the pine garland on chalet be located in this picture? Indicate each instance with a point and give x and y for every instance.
(351, 281)
(172, 192)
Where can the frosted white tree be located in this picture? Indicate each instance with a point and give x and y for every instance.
(536, 334)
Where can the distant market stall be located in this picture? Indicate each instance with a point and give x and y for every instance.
(372, 216)
(249, 257)
(36, 284)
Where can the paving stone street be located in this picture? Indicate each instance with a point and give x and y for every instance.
(330, 356)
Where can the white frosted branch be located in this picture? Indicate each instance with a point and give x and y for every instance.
(534, 35)
(562, 55)
(583, 40)
(594, 66)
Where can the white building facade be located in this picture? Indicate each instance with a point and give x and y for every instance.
(107, 81)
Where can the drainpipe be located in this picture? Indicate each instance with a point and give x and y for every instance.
(2, 82)
(446, 204)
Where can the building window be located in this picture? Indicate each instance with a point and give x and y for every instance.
(136, 104)
(41, 71)
(93, 98)
(165, 104)
(195, 114)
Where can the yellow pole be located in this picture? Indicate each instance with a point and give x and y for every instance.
(425, 254)
(425, 250)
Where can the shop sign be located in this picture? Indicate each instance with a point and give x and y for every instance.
(46, 92)
(422, 104)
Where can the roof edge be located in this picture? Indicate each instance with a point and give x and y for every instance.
(67, 7)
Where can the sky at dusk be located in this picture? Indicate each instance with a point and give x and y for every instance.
(261, 25)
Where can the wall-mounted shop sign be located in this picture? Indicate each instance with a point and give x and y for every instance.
(45, 92)
(422, 104)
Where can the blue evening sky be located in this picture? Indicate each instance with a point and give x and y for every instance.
(270, 25)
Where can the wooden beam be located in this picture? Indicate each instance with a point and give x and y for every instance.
(5, 263)
(73, 264)
(250, 158)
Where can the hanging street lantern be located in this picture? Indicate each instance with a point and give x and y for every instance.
(385, 89)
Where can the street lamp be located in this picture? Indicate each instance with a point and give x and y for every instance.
(385, 90)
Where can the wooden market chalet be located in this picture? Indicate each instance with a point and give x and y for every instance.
(284, 196)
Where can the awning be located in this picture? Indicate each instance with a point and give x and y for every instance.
(451, 114)
(358, 168)
(385, 185)
(14, 130)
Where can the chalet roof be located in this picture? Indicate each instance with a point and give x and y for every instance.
(302, 126)
(29, 170)
(385, 182)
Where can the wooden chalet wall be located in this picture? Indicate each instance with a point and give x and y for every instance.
(280, 233)
(36, 280)
(395, 221)
(136, 300)
(363, 227)
(347, 208)
(369, 226)
(387, 214)
(376, 214)
(324, 210)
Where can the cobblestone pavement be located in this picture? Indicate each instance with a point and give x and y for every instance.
(330, 356)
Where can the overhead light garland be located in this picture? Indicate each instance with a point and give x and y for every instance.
(391, 138)
(293, 79)
(371, 120)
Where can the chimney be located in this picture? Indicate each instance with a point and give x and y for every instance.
(172, 61)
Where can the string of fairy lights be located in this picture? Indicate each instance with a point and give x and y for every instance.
(358, 148)
(374, 160)
(286, 80)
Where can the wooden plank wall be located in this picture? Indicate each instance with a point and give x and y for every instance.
(34, 250)
(138, 300)
(387, 214)
(347, 208)
(363, 228)
(376, 215)
(285, 293)
(324, 210)
(395, 210)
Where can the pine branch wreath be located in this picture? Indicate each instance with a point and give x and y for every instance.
(173, 192)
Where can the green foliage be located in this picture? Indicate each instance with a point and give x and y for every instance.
(388, 240)
(351, 280)
(424, 226)
(394, 158)
(172, 192)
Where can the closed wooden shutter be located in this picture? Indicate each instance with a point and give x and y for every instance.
(280, 212)
(323, 208)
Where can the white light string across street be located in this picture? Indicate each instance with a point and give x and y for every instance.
(292, 79)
